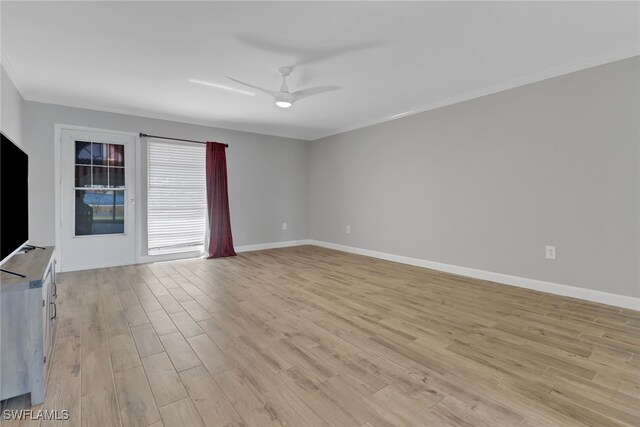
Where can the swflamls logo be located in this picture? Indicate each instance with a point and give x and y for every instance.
(40, 414)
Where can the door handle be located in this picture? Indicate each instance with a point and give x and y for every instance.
(55, 311)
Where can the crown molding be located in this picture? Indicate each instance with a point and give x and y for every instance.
(500, 87)
(6, 64)
(161, 116)
(511, 84)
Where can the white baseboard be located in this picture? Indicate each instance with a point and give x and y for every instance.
(190, 255)
(245, 248)
(170, 257)
(522, 282)
(90, 267)
(274, 245)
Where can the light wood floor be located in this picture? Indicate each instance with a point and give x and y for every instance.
(307, 336)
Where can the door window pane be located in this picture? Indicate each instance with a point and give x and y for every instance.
(83, 153)
(116, 177)
(98, 154)
(83, 176)
(100, 176)
(116, 155)
(99, 212)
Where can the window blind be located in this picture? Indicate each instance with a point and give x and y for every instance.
(176, 197)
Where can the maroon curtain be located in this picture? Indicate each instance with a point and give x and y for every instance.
(220, 241)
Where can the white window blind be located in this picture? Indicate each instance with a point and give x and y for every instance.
(177, 197)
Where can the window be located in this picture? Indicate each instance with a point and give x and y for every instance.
(176, 197)
(99, 188)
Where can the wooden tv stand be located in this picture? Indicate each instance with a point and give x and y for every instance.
(27, 321)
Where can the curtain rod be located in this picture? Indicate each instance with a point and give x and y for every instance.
(144, 135)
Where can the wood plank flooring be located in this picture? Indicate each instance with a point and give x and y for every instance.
(307, 336)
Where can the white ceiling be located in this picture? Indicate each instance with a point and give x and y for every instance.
(391, 58)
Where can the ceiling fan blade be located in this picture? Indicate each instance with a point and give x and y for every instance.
(219, 86)
(267, 91)
(313, 91)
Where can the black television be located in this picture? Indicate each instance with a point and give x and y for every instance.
(14, 198)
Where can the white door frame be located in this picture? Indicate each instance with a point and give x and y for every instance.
(57, 138)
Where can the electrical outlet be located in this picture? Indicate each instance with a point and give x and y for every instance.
(284, 225)
(550, 252)
(348, 229)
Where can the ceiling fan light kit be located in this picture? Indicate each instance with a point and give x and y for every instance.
(283, 104)
(283, 98)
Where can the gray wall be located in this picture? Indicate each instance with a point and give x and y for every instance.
(267, 175)
(10, 108)
(488, 183)
(484, 184)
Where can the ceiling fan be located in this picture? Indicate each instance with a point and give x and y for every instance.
(284, 98)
